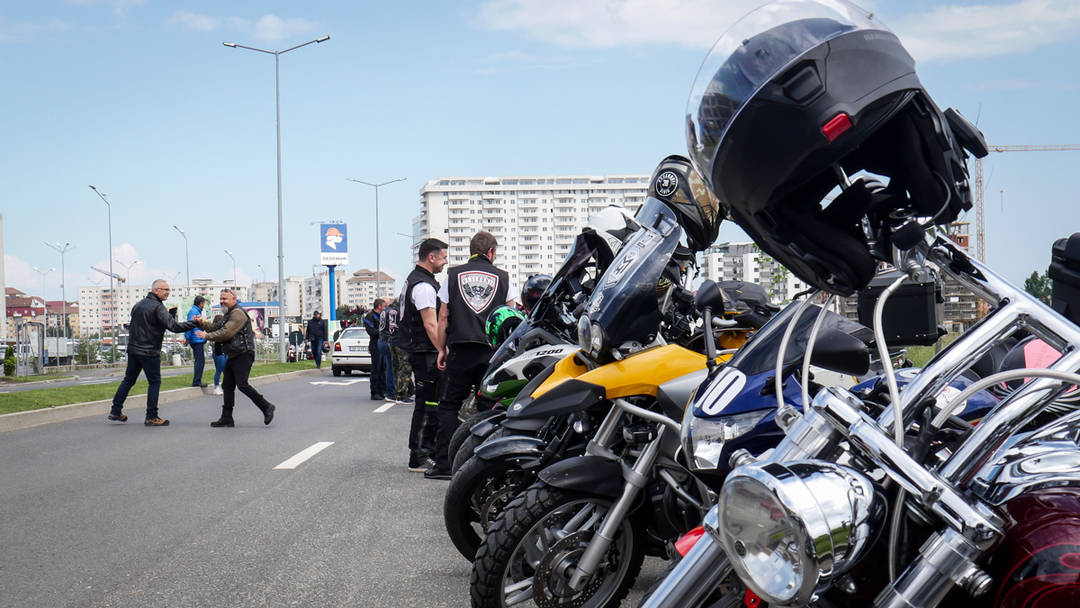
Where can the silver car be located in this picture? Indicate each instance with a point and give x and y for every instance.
(350, 351)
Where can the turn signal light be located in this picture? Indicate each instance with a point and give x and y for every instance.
(839, 123)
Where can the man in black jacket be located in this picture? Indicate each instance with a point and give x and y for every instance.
(149, 320)
(377, 380)
(316, 335)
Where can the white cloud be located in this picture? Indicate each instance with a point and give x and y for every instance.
(21, 32)
(125, 255)
(268, 28)
(21, 275)
(946, 32)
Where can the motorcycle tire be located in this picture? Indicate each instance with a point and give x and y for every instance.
(526, 525)
(463, 430)
(477, 493)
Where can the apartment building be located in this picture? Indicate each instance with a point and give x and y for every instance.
(99, 307)
(746, 262)
(362, 288)
(534, 218)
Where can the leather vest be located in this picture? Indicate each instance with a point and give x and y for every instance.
(476, 288)
(242, 341)
(412, 337)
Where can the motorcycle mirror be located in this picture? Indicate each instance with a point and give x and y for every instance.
(840, 352)
(709, 295)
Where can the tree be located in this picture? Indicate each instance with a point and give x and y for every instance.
(9, 361)
(1038, 285)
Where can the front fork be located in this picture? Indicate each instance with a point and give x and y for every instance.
(636, 477)
(691, 580)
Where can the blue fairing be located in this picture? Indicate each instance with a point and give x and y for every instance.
(977, 406)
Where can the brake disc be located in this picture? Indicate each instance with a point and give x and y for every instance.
(551, 580)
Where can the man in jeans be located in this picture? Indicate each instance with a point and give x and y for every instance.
(198, 344)
(149, 320)
(377, 380)
(316, 334)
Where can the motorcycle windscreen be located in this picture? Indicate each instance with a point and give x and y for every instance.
(568, 279)
(625, 303)
(759, 354)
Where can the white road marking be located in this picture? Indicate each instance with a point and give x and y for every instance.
(384, 407)
(299, 459)
(338, 383)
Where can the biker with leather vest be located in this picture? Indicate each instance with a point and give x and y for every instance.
(238, 343)
(472, 291)
(418, 336)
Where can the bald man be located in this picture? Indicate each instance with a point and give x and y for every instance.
(149, 320)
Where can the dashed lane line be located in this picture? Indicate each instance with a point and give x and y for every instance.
(383, 408)
(304, 455)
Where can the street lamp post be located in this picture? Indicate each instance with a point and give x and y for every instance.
(44, 300)
(127, 269)
(112, 290)
(62, 249)
(187, 260)
(378, 266)
(280, 214)
(229, 253)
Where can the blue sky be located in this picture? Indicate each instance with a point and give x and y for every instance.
(141, 99)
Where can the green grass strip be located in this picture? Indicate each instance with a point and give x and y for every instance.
(51, 397)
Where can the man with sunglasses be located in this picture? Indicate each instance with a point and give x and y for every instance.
(149, 320)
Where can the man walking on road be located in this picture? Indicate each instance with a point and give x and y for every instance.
(471, 292)
(377, 379)
(316, 335)
(418, 335)
(149, 320)
(198, 345)
(238, 343)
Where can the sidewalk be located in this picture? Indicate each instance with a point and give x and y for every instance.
(61, 413)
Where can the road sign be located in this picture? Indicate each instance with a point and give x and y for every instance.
(333, 245)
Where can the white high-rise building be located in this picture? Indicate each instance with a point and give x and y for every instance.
(534, 218)
(746, 262)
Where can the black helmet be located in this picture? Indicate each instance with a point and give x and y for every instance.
(680, 187)
(796, 96)
(533, 289)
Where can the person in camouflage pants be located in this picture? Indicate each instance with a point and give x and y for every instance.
(403, 382)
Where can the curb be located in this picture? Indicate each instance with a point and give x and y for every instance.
(48, 415)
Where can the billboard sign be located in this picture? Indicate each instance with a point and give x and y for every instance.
(333, 245)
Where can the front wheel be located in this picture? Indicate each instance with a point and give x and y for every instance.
(477, 493)
(533, 548)
(336, 370)
(463, 430)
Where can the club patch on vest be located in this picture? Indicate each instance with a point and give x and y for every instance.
(478, 288)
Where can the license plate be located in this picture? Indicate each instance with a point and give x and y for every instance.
(357, 349)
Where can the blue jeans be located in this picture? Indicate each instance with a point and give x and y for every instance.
(199, 352)
(388, 366)
(151, 366)
(377, 381)
(316, 351)
(219, 366)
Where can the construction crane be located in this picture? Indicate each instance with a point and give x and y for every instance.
(980, 207)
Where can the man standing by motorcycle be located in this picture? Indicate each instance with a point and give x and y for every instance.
(418, 335)
(472, 291)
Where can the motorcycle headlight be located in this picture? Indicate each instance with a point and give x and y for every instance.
(704, 439)
(596, 343)
(790, 528)
(584, 333)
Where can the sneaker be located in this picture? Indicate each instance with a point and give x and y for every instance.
(155, 422)
(434, 473)
(218, 391)
(223, 422)
(418, 464)
(200, 385)
(121, 418)
(268, 415)
(389, 398)
(405, 401)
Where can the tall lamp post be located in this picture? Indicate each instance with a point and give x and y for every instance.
(280, 221)
(187, 260)
(229, 253)
(44, 300)
(62, 249)
(378, 266)
(112, 290)
(127, 269)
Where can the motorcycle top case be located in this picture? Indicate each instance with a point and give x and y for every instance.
(1065, 277)
(911, 313)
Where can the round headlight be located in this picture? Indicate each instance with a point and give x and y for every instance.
(584, 333)
(789, 528)
(596, 341)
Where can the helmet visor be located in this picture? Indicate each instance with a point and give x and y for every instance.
(753, 51)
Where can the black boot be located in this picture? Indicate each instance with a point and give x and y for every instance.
(226, 419)
(268, 412)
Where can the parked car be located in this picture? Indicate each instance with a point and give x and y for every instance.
(351, 352)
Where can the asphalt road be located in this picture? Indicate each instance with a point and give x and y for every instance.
(101, 515)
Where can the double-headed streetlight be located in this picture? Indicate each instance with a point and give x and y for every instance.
(127, 269)
(378, 268)
(187, 261)
(280, 222)
(112, 290)
(229, 253)
(44, 300)
(62, 249)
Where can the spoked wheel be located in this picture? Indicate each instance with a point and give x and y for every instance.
(479, 491)
(532, 550)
